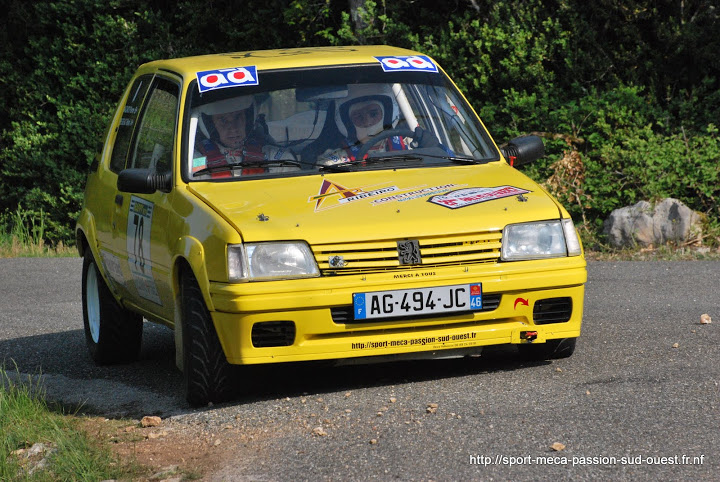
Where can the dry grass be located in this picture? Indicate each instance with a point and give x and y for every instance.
(14, 247)
(662, 253)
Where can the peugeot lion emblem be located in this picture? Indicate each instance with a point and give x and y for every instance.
(337, 262)
(409, 252)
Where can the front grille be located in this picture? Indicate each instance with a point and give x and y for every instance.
(273, 333)
(344, 314)
(435, 251)
(552, 310)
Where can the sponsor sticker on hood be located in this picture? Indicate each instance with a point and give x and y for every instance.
(474, 195)
(336, 195)
(332, 194)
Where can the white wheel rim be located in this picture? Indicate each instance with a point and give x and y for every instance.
(92, 296)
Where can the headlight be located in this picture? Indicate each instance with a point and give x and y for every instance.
(547, 239)
(266, 261)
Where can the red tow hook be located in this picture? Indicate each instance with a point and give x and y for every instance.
(528, 335)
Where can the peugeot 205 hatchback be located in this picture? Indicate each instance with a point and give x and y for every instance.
(317, 204)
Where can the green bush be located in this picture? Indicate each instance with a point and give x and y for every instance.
(65, 94)
(620, 91)
(648, 165)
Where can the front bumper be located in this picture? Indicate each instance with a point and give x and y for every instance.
(306, 305)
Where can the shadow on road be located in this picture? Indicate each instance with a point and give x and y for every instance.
(153, 385)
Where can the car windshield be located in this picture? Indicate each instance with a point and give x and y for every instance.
(300, 121)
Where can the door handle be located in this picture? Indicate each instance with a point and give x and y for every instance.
(119, 199)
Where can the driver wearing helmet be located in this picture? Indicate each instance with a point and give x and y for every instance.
(368, 110)
(231, 136)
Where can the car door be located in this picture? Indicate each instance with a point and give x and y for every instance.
(103, 196)
(140, 220)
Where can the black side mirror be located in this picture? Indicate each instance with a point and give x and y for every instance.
(143, 181)
(523, 150)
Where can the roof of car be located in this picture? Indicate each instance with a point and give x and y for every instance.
(279, 59)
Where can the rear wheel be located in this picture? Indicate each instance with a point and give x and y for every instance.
(207, 374)
(113, 334)
(550, 350)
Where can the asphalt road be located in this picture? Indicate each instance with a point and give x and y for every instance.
(640, 399)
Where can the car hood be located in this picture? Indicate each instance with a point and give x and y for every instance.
(383, 204)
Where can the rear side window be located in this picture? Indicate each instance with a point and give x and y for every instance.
(156, 131)
(128, 122)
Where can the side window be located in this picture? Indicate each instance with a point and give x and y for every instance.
(127, 123)
(156, 132)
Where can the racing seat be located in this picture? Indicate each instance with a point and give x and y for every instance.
(330, 137)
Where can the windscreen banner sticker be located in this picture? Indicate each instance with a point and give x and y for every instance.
(139, 227)
(474, 195)
(224, 78)
(406, 63)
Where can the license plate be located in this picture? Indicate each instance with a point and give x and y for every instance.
(419, 301)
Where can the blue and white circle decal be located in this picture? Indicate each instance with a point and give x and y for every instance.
(415, 63)
(224, 78)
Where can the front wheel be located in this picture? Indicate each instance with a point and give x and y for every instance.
(207, 374)
(550, 350)
(112, 333)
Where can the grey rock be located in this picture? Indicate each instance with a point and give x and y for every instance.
(644, 225)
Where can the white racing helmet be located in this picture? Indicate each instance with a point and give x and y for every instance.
(205, 122)
(362, 95)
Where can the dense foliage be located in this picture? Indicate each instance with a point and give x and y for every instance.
(626, 93)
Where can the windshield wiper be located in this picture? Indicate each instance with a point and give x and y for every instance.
(341, 166)
(226, 167)
(244, 164)
(459, 159)
(394, 157)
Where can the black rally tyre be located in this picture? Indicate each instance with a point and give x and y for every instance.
(207, 374)
(113, 334)
(550, 350)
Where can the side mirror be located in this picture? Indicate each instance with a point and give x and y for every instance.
(523, 150)
(143, 181)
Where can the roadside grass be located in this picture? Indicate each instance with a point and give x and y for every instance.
(707, 249)
(38, 443)
(662, 253)
(22, 234)
(14, 247)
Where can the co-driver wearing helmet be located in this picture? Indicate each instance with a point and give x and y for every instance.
(226, 140)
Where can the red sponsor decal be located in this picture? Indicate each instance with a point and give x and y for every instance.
(520, 301)
(475, 195)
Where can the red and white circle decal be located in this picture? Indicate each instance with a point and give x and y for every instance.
(396, 63)
(210, 80)
(222, 78)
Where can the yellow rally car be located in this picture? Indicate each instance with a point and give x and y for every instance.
(317, 204)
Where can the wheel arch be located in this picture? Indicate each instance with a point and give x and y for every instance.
(81, 241)
(84, 233)
(190, 255)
